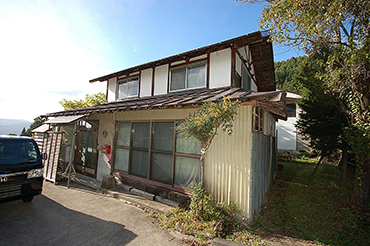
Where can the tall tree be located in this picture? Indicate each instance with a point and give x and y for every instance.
(90, 100)
(343, 27)
(321, 118)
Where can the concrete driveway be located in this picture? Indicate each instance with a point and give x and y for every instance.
(62, 216)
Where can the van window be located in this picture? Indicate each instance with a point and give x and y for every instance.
(18, 152)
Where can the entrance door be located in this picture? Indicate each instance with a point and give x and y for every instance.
(86, 157)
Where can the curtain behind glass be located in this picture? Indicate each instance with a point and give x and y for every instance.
(161, 167)
(187, 170)
(121, 159)
(246, 78)
(163, 136)
(196, 75)
(123, 137)
(139, 163)
(178, 78)
(122, 90)
(140, 134)
(187, 145)
(133, 87)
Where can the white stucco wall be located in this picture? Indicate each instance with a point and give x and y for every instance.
(146, 82)
(220, 68)
(161, 80)
(111, 89)
(106, 123)
(286, 131)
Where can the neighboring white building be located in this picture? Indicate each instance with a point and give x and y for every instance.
(288, 137)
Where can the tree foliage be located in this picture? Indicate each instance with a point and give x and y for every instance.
(90, 100)
(342, 28)
(204, 123)
(321, 118)
(285, 74)
(36, 123)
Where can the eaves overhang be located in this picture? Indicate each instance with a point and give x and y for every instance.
(191, 99)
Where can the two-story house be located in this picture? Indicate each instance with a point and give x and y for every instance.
(132, 136)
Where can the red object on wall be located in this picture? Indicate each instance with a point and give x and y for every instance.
(105, 149)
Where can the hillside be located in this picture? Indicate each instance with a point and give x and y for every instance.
(13, 126)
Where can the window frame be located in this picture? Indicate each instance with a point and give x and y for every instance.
(243, 63)
(291, 114)
(186, 66)
(258, 120)
(246, 85)
(126, 80)
(150, 151)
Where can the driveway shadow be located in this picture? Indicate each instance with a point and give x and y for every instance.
(46, 222)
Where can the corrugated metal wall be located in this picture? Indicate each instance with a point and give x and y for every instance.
(227, 167)
(262, 169)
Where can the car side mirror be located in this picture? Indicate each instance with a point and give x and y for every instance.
(44, 156)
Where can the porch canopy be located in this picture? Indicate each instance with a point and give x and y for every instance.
(67, 119)
(64, 119)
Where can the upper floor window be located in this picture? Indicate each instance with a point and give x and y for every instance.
(190, 76)
(291, 110)
(244, 80)
(128, 87)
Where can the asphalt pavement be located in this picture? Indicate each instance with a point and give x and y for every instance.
(75, 216)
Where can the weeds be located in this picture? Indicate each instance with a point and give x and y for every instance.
(204, 219)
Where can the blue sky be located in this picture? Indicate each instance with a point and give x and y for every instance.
(50, 49)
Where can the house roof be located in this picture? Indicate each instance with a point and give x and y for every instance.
(261, 51)
(273, 100)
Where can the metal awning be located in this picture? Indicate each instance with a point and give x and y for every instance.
(64, 119)
(43, 128)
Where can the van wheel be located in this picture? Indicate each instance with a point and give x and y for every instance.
(27, 199)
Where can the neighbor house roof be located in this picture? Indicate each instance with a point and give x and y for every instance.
(271, 100)
(261, 51)
(42, 128)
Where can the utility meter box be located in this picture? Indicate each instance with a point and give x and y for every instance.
(105, 149)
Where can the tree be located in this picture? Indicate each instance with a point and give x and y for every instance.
(285, 74)
(321, 118)
(36, 123)
(90, 100)
(343, 27)
(204, 123)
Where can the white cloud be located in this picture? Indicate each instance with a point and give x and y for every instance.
(39, 56)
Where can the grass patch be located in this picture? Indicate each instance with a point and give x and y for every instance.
(318, 211)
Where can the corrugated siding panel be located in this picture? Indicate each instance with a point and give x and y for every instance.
(227, 166)
(262, 169)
